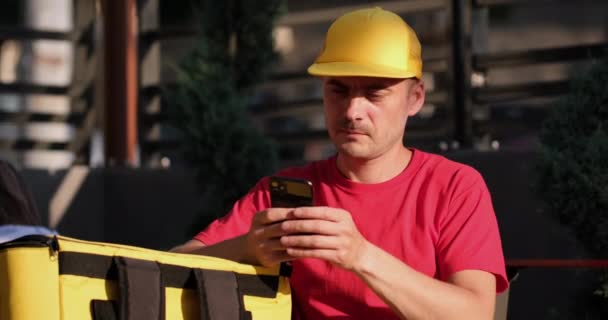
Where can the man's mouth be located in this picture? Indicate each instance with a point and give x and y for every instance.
(352, 132)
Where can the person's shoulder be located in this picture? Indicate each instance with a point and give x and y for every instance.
(445, 164)
(444, 170)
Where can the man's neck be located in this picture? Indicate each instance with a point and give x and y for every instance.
(376, 170)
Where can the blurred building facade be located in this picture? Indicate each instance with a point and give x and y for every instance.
(493, 69)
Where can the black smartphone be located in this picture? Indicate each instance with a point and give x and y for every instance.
(290, 192)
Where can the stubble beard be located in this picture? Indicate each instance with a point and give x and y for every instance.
(365, 148)
(361, 148)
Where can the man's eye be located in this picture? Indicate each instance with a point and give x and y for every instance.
(374, 96)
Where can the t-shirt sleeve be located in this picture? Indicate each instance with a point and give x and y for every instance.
(468, 234)
(238, 220)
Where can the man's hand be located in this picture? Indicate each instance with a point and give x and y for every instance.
(323, 233)
(263, 239)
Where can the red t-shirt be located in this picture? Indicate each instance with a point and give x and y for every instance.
(436, 217)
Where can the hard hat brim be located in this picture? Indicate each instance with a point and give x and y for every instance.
(350, 69)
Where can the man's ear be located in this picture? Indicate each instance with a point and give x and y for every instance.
(415, 99)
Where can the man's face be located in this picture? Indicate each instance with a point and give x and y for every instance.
(366, 117)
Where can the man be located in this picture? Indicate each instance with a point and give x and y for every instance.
(395, 232)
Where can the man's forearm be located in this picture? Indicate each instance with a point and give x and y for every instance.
(413, 295)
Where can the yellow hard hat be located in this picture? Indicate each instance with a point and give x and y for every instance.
(369, 43)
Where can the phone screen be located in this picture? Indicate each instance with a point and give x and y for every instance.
(290, 192)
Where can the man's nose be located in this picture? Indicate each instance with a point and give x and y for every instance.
(354, 109)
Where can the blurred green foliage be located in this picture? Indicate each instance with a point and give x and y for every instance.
(234, 51)
(574, 141)
(574, 167)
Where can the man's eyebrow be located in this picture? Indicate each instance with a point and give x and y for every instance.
(375, 86)
(378, 87)
(334, 82)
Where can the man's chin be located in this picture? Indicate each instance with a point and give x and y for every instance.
(353, 150)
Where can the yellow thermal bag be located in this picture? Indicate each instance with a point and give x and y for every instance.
(59, 278)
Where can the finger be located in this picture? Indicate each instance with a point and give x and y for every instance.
(310, 226)
(270, 231)
(310, 242)
(272, 215)
(271, 245)
(323, 254)
(322, 213)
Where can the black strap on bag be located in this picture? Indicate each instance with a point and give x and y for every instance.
(219, 296)
(104, 310)
(104, 267)
(142, 285)
(142, 296)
